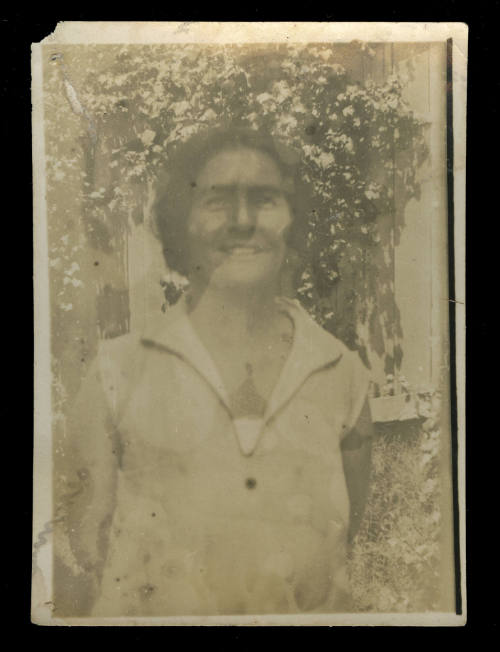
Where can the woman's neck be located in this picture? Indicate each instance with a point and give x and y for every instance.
(233, 314)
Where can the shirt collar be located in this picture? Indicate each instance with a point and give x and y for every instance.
(312, 349)
(174, 333)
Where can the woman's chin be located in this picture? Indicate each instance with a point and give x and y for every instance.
(245, 273)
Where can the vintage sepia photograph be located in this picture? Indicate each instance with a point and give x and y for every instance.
(248, 331)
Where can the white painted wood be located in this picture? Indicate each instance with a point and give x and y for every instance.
(420, 257)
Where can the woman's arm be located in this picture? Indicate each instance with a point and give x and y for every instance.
(356, 457)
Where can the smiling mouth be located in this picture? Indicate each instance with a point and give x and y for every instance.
(243, 250)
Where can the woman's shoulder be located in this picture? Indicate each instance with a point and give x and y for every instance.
(126, 351)
(318, 340)
(119, 352)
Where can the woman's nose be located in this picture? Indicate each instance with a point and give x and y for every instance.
(243, 216)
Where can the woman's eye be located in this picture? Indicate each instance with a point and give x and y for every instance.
(265, 201)
(217, 203)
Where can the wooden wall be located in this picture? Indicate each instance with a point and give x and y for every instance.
(420, 257)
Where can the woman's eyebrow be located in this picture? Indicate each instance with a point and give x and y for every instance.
(231, 188)
(266, 188)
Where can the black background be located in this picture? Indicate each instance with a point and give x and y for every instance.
(18, 29)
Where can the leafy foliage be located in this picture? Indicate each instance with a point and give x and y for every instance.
(348, 137)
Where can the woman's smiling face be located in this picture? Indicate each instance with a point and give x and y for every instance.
(239, 218)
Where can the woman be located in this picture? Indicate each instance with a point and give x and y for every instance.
(222, 456)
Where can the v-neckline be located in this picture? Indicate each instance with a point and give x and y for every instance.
(312, 348)
(213, 370)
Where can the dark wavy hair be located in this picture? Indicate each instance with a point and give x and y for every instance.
(177, 182)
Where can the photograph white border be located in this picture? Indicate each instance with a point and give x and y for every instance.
(221, 33)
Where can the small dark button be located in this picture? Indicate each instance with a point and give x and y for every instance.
(251, 483)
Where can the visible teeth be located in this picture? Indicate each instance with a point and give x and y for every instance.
(243, 250)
